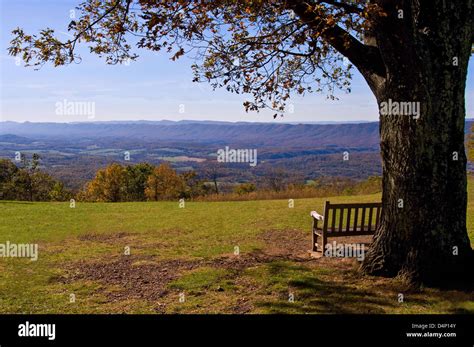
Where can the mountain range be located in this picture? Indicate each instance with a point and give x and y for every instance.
(73, 152)
(248, 134)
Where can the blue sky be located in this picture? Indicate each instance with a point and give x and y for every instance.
(153, 88)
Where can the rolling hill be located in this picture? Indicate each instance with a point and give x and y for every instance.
(250, 134)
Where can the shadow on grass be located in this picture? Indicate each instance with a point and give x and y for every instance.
(315, 292)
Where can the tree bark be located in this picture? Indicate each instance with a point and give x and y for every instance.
(422, 236)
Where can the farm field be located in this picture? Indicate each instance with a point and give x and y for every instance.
(208, 257)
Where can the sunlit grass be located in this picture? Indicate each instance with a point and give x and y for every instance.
(200, 231)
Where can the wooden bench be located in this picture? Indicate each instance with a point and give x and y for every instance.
(344, 220)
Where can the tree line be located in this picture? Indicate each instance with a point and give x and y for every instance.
(26, 182)
(146, 182)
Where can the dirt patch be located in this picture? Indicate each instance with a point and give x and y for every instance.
(292, 244)
(140, 277)
(137, 277)
(143, 277)
(244, 261)
(243, 305)
(106, 238)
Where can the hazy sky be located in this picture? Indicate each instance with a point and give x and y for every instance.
(152, 88)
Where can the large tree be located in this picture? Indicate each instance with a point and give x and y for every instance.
(412, 53)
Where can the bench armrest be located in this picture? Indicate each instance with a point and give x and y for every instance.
(316, 215)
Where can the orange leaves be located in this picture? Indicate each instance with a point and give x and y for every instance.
(164, 183)
(107, 184)
(178, 54)
(330, 20)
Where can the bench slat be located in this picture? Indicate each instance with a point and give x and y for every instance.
(356, 217)
(333, 221)
(348, 223)
(348, 233)
(341, 215)
(361, 205)
(362, 225)
(369, 227)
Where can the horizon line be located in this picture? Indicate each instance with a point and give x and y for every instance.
(191, 120)
(328, 122)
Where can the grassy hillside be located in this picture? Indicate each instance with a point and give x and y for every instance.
(183, 260)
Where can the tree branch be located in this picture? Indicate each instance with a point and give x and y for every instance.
(348, 8)
(366, 58)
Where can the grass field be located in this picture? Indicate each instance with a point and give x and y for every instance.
(183, 260)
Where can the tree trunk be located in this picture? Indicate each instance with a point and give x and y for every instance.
(216, 186)
(422, 236)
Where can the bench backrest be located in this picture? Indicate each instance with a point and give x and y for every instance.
(351, 219)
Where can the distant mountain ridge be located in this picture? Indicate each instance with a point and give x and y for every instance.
(10, 138)
(73, 152)
(249, 134)
(210, 132)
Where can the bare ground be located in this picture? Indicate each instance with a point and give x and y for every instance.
(147, 278)
(142, 277)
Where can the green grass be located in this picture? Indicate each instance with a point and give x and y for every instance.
(190, 243)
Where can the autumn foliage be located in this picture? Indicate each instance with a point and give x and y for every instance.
(164, 183)
(141, 182)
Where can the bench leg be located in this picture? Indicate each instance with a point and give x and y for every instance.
(314, 237)
(323, 243)
(315, 241)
